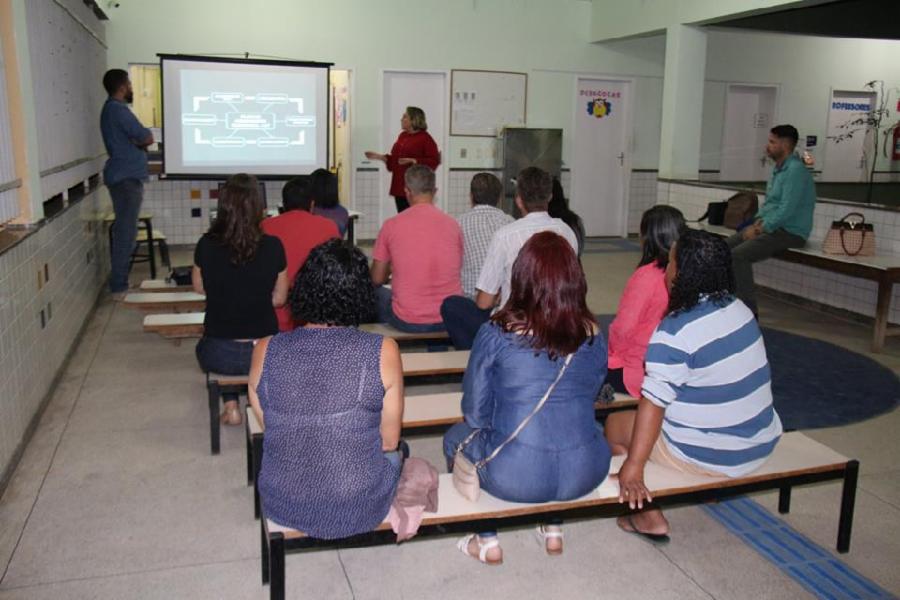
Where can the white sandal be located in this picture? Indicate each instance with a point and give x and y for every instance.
(483, 547)
(544, 535)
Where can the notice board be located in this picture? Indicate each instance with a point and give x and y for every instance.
(482, 103)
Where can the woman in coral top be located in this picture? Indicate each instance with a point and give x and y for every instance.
(414, 146)
(644, 300)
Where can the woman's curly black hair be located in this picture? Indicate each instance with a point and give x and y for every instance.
(703, 263)
(333, 287)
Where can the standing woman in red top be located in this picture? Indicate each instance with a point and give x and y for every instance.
(414, 146)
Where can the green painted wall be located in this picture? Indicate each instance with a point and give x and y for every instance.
(613, 19)
(805, 67)
(548, 39)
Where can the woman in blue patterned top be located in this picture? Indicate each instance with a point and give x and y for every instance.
(331, 399)
(706, 402)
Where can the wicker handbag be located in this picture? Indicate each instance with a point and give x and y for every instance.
(851, 236)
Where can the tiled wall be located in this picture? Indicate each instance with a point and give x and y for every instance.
(181, 208)
(73, 246)
(825, 287)
(641, 196)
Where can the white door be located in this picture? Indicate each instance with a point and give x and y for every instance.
(428, 91)
(845, 158)
(749, 115)
(599, 162)
(340, 132)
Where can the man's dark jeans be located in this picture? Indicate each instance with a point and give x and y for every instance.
(463, 318)
(127, 196)
(746, 252)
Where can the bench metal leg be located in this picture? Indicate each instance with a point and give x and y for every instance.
(151, 251)
(248, 449)
(276, 566)
(784, 499)
(257, 451)
(264, 554)
(214, 392)
(848, 502)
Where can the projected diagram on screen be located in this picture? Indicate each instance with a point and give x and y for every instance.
(248, 118)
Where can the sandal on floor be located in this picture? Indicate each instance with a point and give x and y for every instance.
(544, 535)
(231, 417)
(657, 539)
(483, 547)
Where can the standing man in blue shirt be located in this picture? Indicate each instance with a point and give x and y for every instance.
(786, 216)
(126, 142)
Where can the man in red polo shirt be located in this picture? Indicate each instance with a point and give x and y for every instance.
(421, 251)
(299, 231)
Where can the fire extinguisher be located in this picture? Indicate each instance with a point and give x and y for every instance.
(895, 155)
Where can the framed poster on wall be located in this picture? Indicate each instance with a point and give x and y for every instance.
(482, 103)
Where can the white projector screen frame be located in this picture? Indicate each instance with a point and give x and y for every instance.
(245, 144)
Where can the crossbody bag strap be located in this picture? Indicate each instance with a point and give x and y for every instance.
(525, 421)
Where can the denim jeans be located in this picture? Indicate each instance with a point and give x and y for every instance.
(127, 196)
(463, 318)
(228, 357)
(452, 439)
(383, 297)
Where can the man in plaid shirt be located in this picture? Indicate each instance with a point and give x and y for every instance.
(478, 226)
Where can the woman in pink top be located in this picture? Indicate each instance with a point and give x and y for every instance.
(644, 300)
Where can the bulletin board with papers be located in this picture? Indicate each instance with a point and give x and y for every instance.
(483, 103)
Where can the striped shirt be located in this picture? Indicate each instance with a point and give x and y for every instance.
(478, 226)
(707, 368)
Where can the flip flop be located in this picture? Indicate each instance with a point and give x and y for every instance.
(463, 546)
(543, 535)
(657, 539)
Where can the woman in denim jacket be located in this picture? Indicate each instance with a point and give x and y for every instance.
(561, 454)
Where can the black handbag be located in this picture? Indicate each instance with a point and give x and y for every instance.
(180, 275)
(715, 213)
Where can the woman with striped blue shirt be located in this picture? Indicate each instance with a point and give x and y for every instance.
(706, 401)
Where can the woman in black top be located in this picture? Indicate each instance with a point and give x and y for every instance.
(559, 209)
(243, 273)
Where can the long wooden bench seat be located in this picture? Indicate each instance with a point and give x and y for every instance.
(882, 269)
(190, 324)
(166, 301)
(421, 412)
(797, 460)
(415, 364)
(161, 285)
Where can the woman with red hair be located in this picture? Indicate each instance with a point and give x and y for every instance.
(539, 361)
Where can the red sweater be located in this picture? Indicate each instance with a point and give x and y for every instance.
(299, 232)
(418, 145)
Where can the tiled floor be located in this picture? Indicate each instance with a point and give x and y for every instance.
(117, 496)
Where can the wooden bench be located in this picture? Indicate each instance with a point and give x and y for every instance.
(183, 325)
(797, 460)
(166, 301)
(422, 412)
(882, 269)
(415, 364)
(162, 285)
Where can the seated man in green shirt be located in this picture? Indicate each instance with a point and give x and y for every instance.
(785, 219)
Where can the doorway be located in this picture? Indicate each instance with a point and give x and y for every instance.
(846, 156)
(600, 163)
(341, 152)
(749, 115)
(428, 91)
